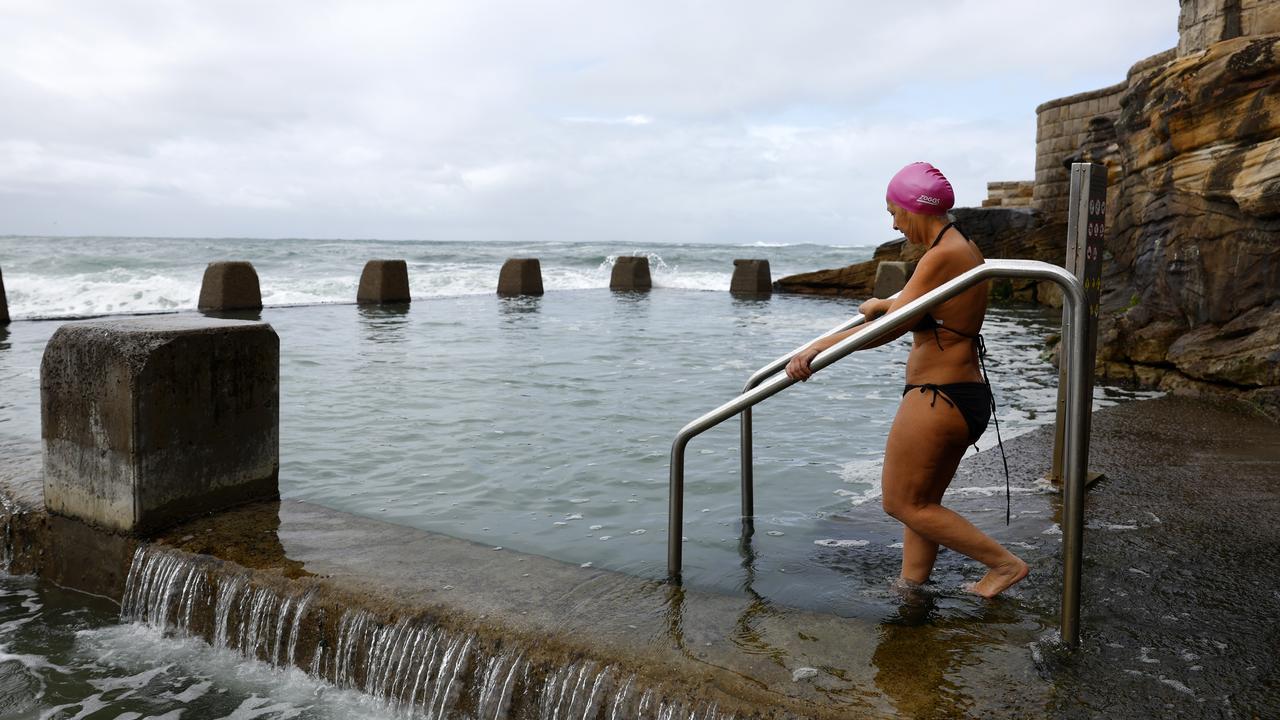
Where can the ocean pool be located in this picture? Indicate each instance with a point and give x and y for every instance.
(544, 425)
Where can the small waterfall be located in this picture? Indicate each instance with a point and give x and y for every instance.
(416, 668)
(9, 514)
(6, 551)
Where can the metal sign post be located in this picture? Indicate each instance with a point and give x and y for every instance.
(1086, 227)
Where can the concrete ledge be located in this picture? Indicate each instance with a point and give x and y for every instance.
(1083, 97)
(751, 277)
(631, 273)
(150, 422)
(891, 277)
(4, 302)
(230, 285)
(520, 276)
(384, 282)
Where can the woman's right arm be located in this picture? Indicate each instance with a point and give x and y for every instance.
(798, 368)
(930, 273)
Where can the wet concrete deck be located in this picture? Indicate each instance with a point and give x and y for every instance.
(1182, 552)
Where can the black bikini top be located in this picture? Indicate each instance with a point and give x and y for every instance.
(929, 322)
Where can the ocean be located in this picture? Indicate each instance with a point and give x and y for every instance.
(75, 277)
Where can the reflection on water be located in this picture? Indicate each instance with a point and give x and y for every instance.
(383, 324)
(250, 315)
(749, 302)
(250, 537)
(747, 636)
(631, 301)
(513, 306)
(916, 655)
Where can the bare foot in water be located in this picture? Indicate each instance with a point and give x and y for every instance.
(910, 593)
(1000, 578)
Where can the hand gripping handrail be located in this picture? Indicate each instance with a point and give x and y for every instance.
(1077, 409)
(759, 376)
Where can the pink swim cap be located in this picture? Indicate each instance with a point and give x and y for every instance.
(921, 188)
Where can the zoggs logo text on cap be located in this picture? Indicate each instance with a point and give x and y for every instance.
(929, 200)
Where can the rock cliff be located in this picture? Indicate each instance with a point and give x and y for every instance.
(1193, 285)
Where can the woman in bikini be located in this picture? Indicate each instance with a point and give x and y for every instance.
(950, 405)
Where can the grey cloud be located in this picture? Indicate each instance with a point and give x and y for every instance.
(561, 120)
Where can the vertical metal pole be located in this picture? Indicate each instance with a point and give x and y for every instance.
(748, 479)
(1077, 453)
(1076, 224)
(1086, 227)
(675, 513)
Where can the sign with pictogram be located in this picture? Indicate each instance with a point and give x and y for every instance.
(1086, 232)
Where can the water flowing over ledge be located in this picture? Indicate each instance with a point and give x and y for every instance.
(413, 666)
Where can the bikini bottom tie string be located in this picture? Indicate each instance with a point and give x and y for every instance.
(936, 394)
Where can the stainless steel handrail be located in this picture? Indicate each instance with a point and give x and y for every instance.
(759, 376)
(1078, 407)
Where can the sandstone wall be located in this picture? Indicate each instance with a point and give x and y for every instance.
(1009, 193)
(1202, 23)
(1067, 126)
(1061, 127)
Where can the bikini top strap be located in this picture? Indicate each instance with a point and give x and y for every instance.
(942, 232)
(938, 325)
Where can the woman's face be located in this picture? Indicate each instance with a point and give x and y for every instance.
(899, 217)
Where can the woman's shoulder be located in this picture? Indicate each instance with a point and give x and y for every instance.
(950, 258)
(958, 253)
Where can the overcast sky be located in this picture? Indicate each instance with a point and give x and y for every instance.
(727, 121)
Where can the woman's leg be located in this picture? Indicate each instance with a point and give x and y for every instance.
(918, 555)
(925, 446)
(919, 552)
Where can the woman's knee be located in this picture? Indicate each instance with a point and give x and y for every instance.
(900, 509)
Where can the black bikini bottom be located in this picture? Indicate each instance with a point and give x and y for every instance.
(972, 399)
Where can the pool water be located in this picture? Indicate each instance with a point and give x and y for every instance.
(544, 425)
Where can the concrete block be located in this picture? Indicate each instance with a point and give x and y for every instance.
(631, 273)
(148, 422)
(751, 277)
(4, 302)
(891, 277)
(520, 276)
(230, 286)
(384, 282)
